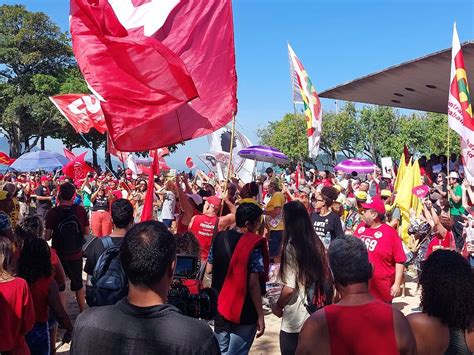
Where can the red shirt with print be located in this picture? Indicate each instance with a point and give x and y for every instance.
(385, 250)
(439, 242)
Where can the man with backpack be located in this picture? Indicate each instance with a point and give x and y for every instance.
(106, 281)
(67, 225)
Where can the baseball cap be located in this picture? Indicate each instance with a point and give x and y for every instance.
(214, 200)
(385, 193)
(454, 175)
(361, 196)
(305, 190)
(45, 178)
(196, 198)
(377, 205)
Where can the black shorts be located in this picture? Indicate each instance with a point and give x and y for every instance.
(73, 270)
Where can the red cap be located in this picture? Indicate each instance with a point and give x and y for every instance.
(45, 178)
(214, 200)
(377, 205)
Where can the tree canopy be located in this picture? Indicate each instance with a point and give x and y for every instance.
(371, 132)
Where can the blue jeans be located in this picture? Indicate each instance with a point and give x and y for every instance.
(38, 339)
(235, 339)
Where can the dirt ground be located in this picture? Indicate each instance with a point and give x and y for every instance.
(269, 342)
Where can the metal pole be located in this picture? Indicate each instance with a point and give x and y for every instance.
(90, 146)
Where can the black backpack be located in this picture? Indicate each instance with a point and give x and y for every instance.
(68, 235)
(109, 282)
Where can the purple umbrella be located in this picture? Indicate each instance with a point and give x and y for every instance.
(264, 153)
(358, 165)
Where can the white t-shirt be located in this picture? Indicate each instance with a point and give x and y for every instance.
(294, 313)
(169, 203)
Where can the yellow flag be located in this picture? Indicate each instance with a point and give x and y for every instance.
(415, 201)
(403, 200)
(400, 173)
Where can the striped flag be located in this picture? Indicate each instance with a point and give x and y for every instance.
(305, 93)
(460, 107)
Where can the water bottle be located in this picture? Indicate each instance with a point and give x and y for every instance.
(327, 240)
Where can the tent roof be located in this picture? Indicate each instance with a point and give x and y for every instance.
(420, 84)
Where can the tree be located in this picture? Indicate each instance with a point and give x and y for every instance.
(34, 58)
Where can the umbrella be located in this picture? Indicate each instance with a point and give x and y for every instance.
(41, 159)
(264, 153)
(358, 165)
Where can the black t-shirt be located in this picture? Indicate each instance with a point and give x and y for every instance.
(101, 203)
(93, 252)
(43, 191)
(127, 329)
(330, 223)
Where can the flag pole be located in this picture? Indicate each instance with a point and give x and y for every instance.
(90, 146)
(230, 166)
(447, 158)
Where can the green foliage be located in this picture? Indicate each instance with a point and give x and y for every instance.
(372, 132)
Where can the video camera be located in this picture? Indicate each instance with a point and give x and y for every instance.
(186, 292)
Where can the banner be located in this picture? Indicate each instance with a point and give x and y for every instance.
(312, 106)
(68, 154)
(172, 64)
(82, 111)
(460, 108)
(77, 168)
(5, 159)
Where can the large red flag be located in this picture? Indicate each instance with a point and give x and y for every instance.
(77, 168)
(147, 212)
(5, 159)
(119, 48)
(83, 111)
(122, 156)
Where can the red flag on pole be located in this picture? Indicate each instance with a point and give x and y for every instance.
(83, 111)
(77, 168)
(122, 156)
(161, 54)
(68, 154)
(5, 159)
(147, 212)
(189, 163)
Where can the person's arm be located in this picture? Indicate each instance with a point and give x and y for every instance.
(395, 289)
(453, 196)
(403, 333)
(273, 213)
(285, 296)
(226, 221)
(256, 296)
(314, 336)
(440, 228)
(338, 232)
(60, 276)
(57, 308)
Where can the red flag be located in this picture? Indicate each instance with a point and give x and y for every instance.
(189, 163)
(122, 156)
(148, 49)
(297, 177)
(406, 153)
(147, 212)
(83, 111)
(68, 154)
(138, 77)
(5, 159)
(77, 168)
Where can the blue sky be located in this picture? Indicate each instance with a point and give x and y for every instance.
(337, 41)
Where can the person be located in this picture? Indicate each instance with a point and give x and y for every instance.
(204, 226)
(34, 265)
(456, 210)
(238, 259)
(68, 238)
(17, 313)
(325, 221)
(169, 203)
(442, 236)
(143, 323)
(274, 213)
(385, 251)
(445, 323)
(101, 223)
(355, 211)
(358, 323)
(122, 220)
(44, 197)
(303, 267)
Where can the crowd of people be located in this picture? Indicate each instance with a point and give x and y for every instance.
(334, 239)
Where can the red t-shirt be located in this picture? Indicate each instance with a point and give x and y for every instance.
(203, 228)
(385, 250)
(439, 243)
(17, 315)
(39, 292)
(362, 329)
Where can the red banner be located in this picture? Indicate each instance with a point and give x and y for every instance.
(5, 159)
(77, 168)
(83, 111)
(161, 54)
(68, 154)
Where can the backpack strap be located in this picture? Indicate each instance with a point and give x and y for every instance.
(107, 242)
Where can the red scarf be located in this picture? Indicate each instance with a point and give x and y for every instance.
(232, 296)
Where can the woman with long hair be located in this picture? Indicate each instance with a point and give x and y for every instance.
(304, 272)
(35, 267)
(445, 324)
(17, 314)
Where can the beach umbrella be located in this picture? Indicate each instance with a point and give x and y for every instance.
(265, 154)
(360, 166)
(39, 160)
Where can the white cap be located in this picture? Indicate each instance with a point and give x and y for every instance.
(454, 175)
(196, 198)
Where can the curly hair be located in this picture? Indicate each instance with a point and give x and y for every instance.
(187, 244)
(35, 261)
(329, 194)
(448, 289)
(28, 228)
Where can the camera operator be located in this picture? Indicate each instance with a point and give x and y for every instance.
(143, 323)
